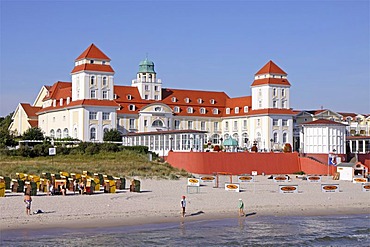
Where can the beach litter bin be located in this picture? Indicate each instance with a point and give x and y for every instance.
(2, 189)
(135, 186)
(90, 186)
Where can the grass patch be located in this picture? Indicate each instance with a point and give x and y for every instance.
(125, 163)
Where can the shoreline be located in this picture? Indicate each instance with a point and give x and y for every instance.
(159, 203)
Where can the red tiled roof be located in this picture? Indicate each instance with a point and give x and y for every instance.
(92, 67)
(323, 122)
(30, 110)
(271, 111)
(346, 114)
(271, 81)
(85, 102)
(53, 90)
(33, 123)
(93, 52)
(240, 102)
(271, 68)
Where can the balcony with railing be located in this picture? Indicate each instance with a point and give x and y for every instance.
(147, 80)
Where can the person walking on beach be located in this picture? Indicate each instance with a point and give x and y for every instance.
(183, 206)
(27, 201)
(241, 207)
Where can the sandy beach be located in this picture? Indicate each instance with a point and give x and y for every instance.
(159, 202)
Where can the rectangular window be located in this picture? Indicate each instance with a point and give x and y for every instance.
(274, 104)
(190, 125)
(156, 88)
(244, 124)
(203, 125)
(177, 124)
(235, 125)
(93, 94)
(215, 126)
(106, 115)
(132, 123)
(258, 122)
(92, 115)
(285, 122)
(146, 88)
(156, 97)
(146, 96)
(275, 122)
(145, 123)
(105, 94)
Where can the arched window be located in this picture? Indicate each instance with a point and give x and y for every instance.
(59, 133)
(275, 137)
(157, 123)
(92, 80)
(65, 133)
(236, 136)
(227, 110)
(285, 135)
(75, 132)
(215, 111)
(258, 137)
(236, 110)
(274, 91)
(190, 110)
(176, 109)
(226, 136)
(92, 133)
(52, 133)
(202, 110)
(132, 107)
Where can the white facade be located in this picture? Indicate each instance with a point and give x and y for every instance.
(323, 137)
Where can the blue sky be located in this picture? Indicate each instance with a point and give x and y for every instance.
(324, 46)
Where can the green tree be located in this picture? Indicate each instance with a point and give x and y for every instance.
(6, 138)
(112, 135)
(34, 133)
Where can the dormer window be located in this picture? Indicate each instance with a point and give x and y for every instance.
(91, 61)
(176, 109)
(190, 110)
(236, 109)
(200, 101)
(227, 110)
(103, 62)
(202, 110)
(131, 107)
(173, 99)
(187, 100)
(215, 111)
(245, 109)
(129, 96)
(212, 101)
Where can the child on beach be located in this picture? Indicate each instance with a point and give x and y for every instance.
(241, 207)
(183, 205)
(27, 201)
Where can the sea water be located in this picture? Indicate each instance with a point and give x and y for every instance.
(334, 230)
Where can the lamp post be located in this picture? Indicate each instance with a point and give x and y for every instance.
(171, 138)
(272, 143)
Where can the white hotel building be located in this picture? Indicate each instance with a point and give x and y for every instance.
(146, 113)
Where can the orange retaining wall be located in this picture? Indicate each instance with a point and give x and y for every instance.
(244, 163)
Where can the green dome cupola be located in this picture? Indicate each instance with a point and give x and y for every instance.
(146, 66)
